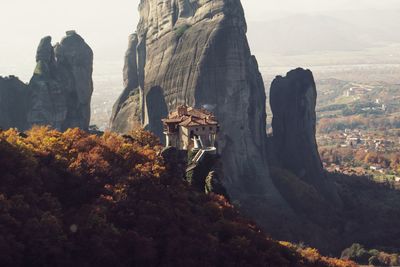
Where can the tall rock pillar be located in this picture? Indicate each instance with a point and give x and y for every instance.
(62, 86)
(293, 101)
(195, 52)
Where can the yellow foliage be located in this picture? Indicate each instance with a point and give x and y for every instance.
(312, 255)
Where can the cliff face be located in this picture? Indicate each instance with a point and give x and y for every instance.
(61, 87)
(196, 53)
(127, 111)
(13, 103)
(293, 101)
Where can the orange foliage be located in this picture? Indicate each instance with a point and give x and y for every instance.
(75, 199)
(312, 256)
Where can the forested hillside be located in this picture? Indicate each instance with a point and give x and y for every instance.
(75, 199)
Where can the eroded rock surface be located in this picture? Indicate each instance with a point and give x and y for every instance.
(58, 94)
(127, 111)
(61, 87)
(196, 53)
(293, 101)
(13, 103)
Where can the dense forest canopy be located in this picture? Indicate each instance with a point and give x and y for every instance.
(78, 199)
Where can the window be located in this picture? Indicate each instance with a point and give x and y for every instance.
(211, 128)
(204, 128)
(197, 129)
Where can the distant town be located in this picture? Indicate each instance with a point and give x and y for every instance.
(358, 152)
(358, 129)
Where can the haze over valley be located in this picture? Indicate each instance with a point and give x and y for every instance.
(356, 41)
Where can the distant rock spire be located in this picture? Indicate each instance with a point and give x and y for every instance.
(293, 101)
(59, 92)
(61, 87)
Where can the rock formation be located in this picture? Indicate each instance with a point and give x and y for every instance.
(61, 87)
(293, 101)
(59, 92)
(127, 111)
(195, 52)
(13, 103)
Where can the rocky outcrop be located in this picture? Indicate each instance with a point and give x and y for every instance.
(293, 101)
(195, 52)
(59, 92)
(61, 86)
(13, 103)
(127, 111)
(48, 104)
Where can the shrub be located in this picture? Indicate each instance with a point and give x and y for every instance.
(180, 31)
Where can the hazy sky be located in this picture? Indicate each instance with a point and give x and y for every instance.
(106, 24)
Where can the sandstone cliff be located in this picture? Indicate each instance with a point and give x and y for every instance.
(196, 53)
(13, 103)
(61, 87)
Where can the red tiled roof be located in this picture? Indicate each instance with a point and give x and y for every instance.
(191, 117)
(197, 122)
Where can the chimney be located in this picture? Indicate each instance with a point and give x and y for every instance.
(182, 110)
